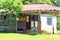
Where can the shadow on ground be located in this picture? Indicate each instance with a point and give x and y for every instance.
(32, 34)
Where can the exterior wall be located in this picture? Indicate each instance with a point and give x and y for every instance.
(7, 25)
(21, 23)
(55, 24)
(45, 26)
(21, 18)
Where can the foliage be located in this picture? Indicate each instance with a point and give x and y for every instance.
(36, 1)
(42, 1)
(58, 21)
(12, 18)
(14, 6)
(58, 32)
(56, 2)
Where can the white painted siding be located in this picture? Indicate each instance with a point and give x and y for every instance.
(45, 26)
(55, 24)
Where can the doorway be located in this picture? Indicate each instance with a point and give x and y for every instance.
(21, 23)
(32, 21)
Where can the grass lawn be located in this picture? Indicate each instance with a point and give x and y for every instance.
(17, 36)
(58, 31)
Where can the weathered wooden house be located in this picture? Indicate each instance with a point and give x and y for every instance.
(37, 17)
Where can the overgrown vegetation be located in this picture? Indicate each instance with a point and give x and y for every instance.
(36, 1)
(14, 6)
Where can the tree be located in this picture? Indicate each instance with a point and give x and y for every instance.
(42, 1)
(36, 1)
(14, 6)
(56, 2)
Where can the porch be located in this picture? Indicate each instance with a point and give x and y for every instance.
(28, 23)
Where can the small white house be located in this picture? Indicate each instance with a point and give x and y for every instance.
(48, 23)
(39, 17)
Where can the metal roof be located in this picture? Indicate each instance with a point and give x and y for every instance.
(28, 7)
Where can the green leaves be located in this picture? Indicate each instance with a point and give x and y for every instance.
(14, 6)
(36, 1)
(56, 2)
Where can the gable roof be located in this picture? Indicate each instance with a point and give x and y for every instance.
(39, 7)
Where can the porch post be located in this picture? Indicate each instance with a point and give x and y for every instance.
(16, 23)
(39, 22)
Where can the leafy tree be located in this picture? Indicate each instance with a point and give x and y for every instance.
(26, 1)
(42, 1)
(56, 2)
(14, 6)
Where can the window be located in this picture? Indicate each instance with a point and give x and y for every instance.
(49, 21)
(34, 24)
(27, 18)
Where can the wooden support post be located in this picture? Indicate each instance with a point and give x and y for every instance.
(39, 22)
(16, 23)
(39, 26)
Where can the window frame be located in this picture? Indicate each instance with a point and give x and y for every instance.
(49, 20)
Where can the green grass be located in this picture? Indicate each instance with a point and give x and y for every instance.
(58, 31)
(17, 36)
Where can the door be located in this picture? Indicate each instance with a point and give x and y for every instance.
(28, 26)
(34, 22)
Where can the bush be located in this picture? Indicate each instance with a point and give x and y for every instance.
(58, 26)
(33, 32)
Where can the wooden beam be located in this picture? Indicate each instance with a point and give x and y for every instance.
(39, 22)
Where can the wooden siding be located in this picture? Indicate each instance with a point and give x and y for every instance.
(21, 24)
(21, 18)
(7, 25)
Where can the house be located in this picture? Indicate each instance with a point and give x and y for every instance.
(33, 17)
(38, 17)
